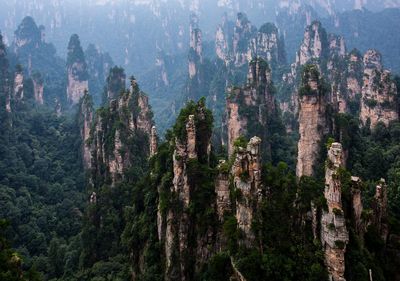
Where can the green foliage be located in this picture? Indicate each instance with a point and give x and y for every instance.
(217, 268)
(11, 263)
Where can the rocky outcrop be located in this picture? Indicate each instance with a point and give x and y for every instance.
(313, 123)
(380, 208)
(314, 45)
(27, 35)
(334, 235)
(242, 34)
(251, 105)
(195, 48)
(221, 42)
(162, 79)
(38, 87)
(379, 92)
(124, 119)
(18, 85)
(116, 83)
(4, 75)
(190, 148)
(153, 141)
(222, 190)
(239, 43)
(86, 121)
(357, 206)
(268, 45)
(77, 71)
(246, 172)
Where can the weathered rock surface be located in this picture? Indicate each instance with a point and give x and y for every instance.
(246, 171)
(250, 104)
(38, 88)
(116, 82)
(86, 121)
(124, 118)
(379, 92)
(334, 235)
(357, 206)
(313, 124)
(195, 48)
(18, 86)
(380, 208)
(77, 71)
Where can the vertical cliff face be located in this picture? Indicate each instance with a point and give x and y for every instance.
(240, 42)
(98, 68)
(246, 171)
(313, 124)
(116, 83)
(380, 208)
(162, 79)
(354, 78)
(334, 235)
(4, 76)
(86, 121)
(221, 42)
(153, 141)
(185, 236)
(357, 206)
(243, 31)
(38, 87)
(18, 85)
(268, 45)
(249, 107)
(123, 122)
(195, 48)
(379, 92)
(314, 45)
(77, 71)
(27, 35)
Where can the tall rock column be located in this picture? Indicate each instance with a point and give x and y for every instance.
(116, 83)
(114, 127)
(380, 207)
(357, 205)
(178, 222)
(18, 85)
(379, 92)
(334, 235)
(86, 121)
(195, 48)
(249, 107)
(313, 123)
(78, 77)
(4, 75)
(38, 87)
(246, 171)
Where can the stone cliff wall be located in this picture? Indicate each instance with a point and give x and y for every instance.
(334, 235)
(379, 92)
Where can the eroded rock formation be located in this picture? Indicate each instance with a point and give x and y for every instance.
(114, 127)
(313, 123)
(379, 92)
(77, 71)
(18, 85)
(86, 121)
(250, 106)
(380, 208)
(180, 227)
(334, 235)
(196, 48)
(246, 171)
(116, 82)
(38, 87)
